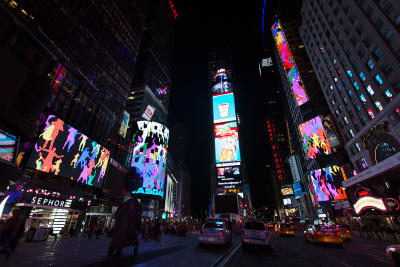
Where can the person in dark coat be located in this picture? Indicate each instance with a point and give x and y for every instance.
(9, 231)
(14, 241)
(91, 226)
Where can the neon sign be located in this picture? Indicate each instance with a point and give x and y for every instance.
(171, 5)
(369, 202)
(289, 64)
(275, 150)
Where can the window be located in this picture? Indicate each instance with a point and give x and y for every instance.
(357, 127)
(337, 113)
(354, 40)
(383, 151)
(351, 133)
(362, 164)
(349, 73)
(369, 11)
(345, 101)
(350, 94)
(348, 53)
(371, 64)
(370, 113)
(335, 79)
(356, 106)
(368, 41)
(364, 121)
(355, 64)
(340, 108)
(362, 76)
(362, 97)
(333, 102)
(389, 94)
(388, 69)
(370, 91)
(379, 23)
(358, 147)
(389, 9)
(344, 81)
(345, 120)
(397, 84)
(340, 89)
(378, 53)
(379, 78)
(389, 37)
(360, 29)
(361, 51)
(356, 86)
(351, 113)
(378, 105)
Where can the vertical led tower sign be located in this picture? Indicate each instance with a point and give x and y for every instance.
(289, 64)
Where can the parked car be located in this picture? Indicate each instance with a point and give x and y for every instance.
(255, 232)
(214, 232)
(318, 234)
(285, 229)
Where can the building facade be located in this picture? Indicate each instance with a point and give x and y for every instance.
(355, 51)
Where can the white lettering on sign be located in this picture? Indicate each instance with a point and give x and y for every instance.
(50, 202)
(369, 202)
(148, 191)
(294, 169)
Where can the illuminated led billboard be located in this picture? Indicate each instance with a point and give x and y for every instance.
(63, 151)
(149, 157)
(315, 141)
(7, 145)
(287, 191)
(224, 108)
(221, 82)
(331, 132)
(289, 64)
(327, 184)
(229, 177)
(226, 142)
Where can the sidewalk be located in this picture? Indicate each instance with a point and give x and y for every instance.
(169, 251)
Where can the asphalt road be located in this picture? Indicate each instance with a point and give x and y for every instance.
(295, 251)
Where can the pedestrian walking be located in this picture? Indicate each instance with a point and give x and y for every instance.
(9, 231)
(99, 228)
(91, 226)
(229, 224)
(147, 230)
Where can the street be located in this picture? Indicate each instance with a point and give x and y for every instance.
(184, 251)
(295, 251)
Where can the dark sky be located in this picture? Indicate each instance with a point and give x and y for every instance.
(200, 28)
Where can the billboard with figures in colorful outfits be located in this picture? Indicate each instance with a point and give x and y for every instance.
(149, 158)
(62, 150)
(327, 184)
(315, 140)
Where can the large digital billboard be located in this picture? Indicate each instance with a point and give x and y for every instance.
(331, 132)
(226, 142)
(7, 145)
(63, 151)
(229, 177)
(327, 184)
(221, 82)
(287, 191)
(315, 141)
(149, 157)
(289, 64)
(224, 108)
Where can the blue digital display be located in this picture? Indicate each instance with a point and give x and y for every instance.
(297, 189)
(224, 108)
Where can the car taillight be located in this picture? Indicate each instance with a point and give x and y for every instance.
(222, 232)
(267, 234)
(318, 233)
(243, 232)
(201, 231)
(290, 227)
(348, 231)
(338, 233)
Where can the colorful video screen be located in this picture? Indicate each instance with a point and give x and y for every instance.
(229, 177)
(287, 201)
(312, 194)
(221, 81)
(315, 141)
(287, 191)
(149, 157)
(62, 150)
(224, 108)
(331, 132)
(226, 142)
(327, 184)
(7, 145)
(290, 67)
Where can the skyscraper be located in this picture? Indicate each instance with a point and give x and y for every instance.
(354, 47)
(154, 62)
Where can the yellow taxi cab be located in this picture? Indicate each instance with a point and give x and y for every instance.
(276, 227)
(270, 225)
(285, 229)
(294, 226)
(318, 234)
(344, 233)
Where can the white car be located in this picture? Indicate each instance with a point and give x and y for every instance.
(255, 232)
(214, 232)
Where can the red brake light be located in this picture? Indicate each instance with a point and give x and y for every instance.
(243, 232)
(318, 233)
(348, 231)
(267, 234)
(201, 231)
(222, 232)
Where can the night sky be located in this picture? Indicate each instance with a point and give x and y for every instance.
(205, 27)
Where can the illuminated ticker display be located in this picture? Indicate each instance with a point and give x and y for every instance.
(275, 150)
(289, 64)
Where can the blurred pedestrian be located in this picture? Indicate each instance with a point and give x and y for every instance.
(99, 228)
(15, 240)
(91, 226)
(147, 230)
(9, 231)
